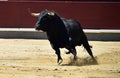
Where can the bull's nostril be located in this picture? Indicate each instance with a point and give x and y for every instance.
(36, 29)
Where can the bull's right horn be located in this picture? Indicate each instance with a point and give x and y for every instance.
(33, 14)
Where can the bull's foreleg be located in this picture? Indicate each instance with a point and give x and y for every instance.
(57, 51)
(59, 59)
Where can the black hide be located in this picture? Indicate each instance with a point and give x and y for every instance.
(62, 33)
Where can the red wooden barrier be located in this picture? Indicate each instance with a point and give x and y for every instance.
(100, 15)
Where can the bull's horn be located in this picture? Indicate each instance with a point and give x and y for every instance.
(51, 13)
(33, 14)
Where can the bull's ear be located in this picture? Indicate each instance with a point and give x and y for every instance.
(51, 13)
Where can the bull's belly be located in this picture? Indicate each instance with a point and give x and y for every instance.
(65, 42)
(68, 44)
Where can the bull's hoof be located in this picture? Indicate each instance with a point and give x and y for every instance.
(75, 58)
(68, 52)
(59, 61)
(94, 61)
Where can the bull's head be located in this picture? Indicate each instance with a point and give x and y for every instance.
(44, 19)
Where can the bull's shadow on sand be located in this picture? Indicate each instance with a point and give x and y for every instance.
(81, 61)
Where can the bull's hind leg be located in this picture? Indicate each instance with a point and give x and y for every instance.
(73, 51)
(88, 48)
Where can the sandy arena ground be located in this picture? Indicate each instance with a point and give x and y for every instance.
(33, 58)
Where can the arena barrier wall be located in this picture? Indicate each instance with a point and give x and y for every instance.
(91, 15)
(30, 33)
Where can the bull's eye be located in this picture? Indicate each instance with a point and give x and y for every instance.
(44, 19)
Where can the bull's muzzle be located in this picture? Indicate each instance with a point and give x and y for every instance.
(37, 28)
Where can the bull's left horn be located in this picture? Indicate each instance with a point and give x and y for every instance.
(33, 14)
(51, 13)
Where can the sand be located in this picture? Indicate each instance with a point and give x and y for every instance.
(34, 58)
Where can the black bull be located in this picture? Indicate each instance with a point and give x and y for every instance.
(62, 33)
